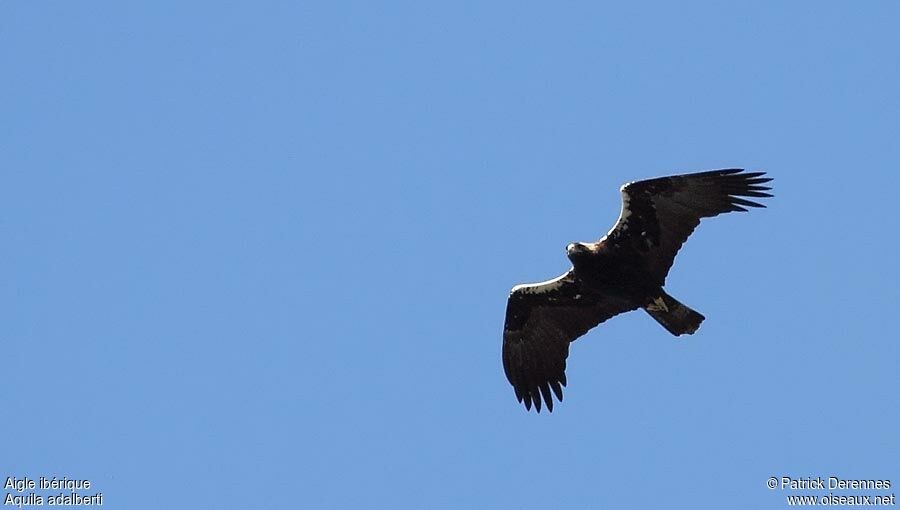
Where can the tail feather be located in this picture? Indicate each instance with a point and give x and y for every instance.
(677, 318)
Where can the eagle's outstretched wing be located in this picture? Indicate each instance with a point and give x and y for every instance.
(659, 214)
(541, 320)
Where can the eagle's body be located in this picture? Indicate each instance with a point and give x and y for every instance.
(623, 271)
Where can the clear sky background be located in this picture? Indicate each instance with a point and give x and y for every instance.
(257, 254)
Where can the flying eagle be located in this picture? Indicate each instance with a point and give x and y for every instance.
(623, 271)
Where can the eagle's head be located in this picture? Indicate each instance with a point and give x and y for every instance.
(573, 248)
(578, 251)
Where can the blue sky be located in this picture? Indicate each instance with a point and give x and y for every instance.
(258, 254)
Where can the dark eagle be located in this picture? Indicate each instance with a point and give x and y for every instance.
(623, 271)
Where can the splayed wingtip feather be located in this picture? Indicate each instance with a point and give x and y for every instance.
(557, 390)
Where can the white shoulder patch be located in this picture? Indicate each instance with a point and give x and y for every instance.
(542, 287)
(623, 214)
(626, 200)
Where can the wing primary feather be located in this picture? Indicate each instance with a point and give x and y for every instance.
(548, 399)
(756, 194)
(536, 398)
(724, 171)
(557, 390)
(748, 203)
(755, 178)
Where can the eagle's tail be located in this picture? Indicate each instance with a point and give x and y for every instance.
(677, 318)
